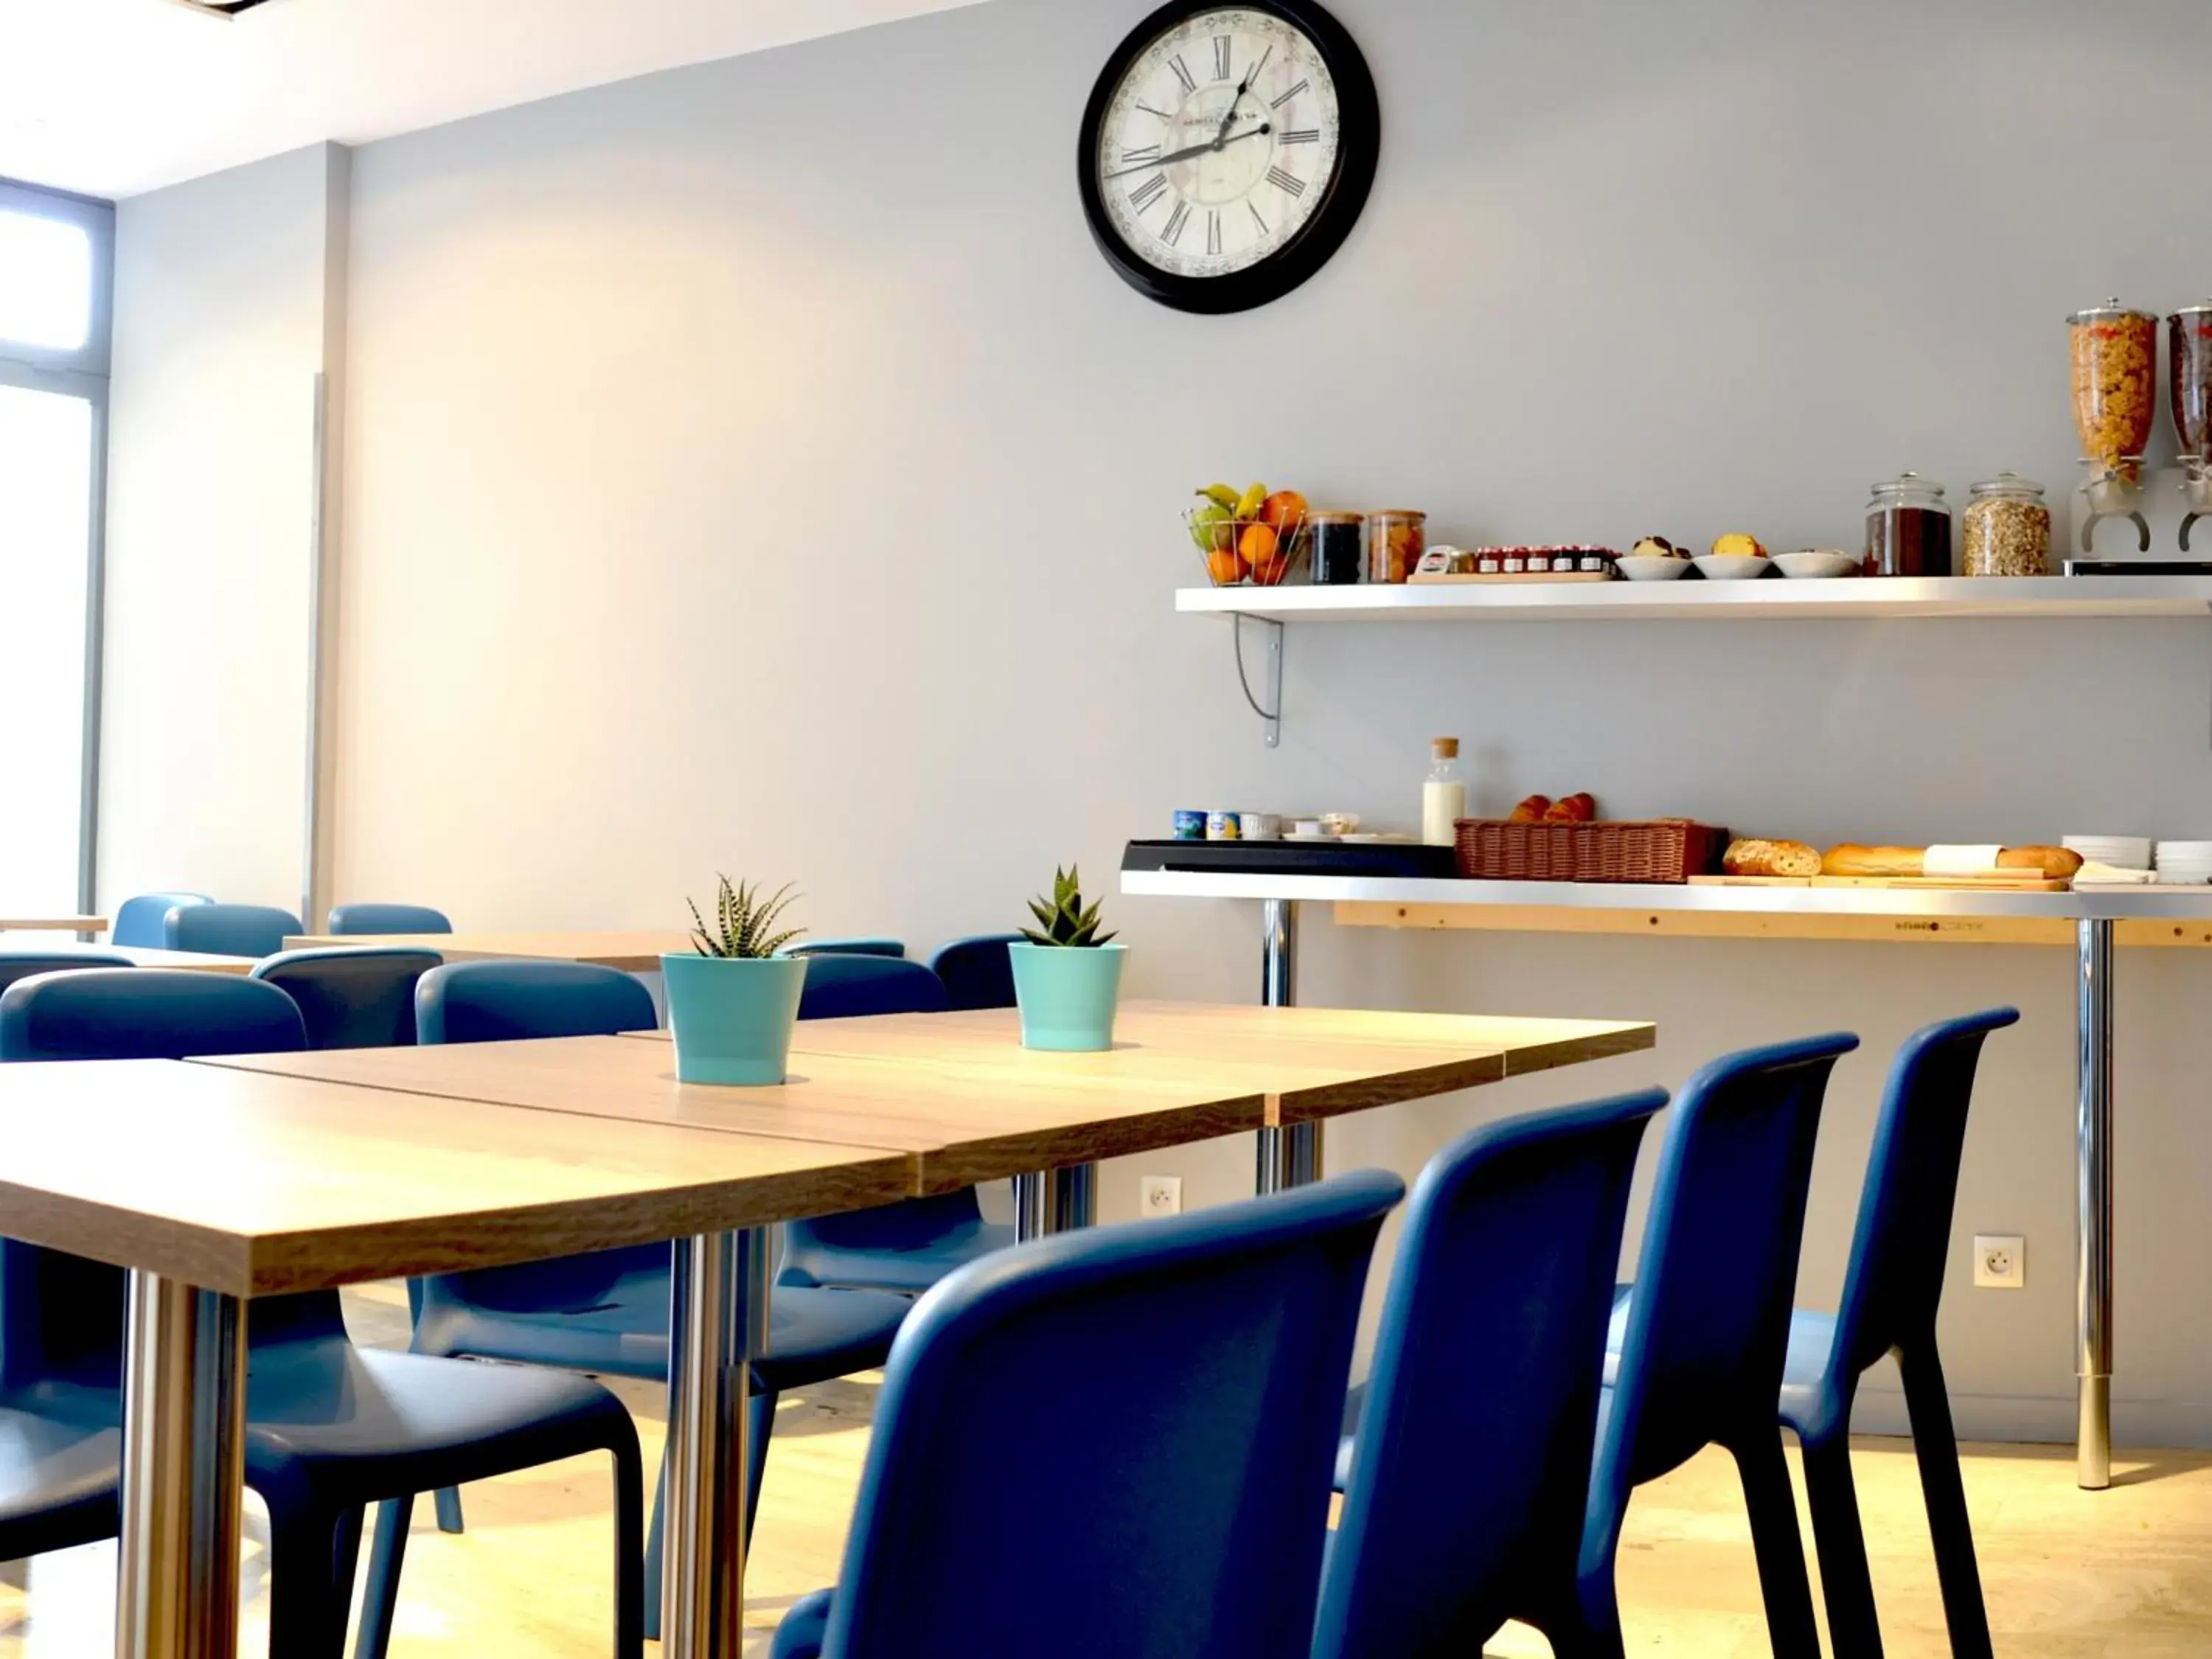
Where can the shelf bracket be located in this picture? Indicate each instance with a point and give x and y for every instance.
(1271, 674)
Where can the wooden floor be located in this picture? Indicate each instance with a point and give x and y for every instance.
(2069, 1575)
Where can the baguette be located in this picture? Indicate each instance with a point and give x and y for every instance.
(1852, 860)
(2051, 863)
(1770, 858)
(2054, 863)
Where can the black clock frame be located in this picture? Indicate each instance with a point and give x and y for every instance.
(1359, 146)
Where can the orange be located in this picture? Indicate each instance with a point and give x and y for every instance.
(1284, 511)
(1258, 544)
(1224, 566)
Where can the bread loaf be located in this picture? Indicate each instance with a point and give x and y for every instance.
(2053, 863)
(1771, 858)
(1852, 860)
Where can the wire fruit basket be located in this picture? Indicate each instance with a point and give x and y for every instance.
(1258, 552)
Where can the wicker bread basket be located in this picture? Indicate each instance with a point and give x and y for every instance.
(1668, 852)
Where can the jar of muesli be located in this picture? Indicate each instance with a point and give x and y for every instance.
(2008, 529)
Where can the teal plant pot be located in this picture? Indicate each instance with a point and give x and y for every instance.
(733, 1018)
(1067, 996)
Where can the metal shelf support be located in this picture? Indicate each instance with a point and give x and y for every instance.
(1271, 674)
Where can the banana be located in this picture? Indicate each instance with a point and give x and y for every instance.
(1222, 497)
(1248, 505)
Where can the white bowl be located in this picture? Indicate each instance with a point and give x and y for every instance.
(2123, 851)
(1732, 566)
(1650, 567)
(2185, 852)
(1817, 566)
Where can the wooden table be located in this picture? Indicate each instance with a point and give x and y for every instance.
(56, 924)
(218, 1181)
(636, 952)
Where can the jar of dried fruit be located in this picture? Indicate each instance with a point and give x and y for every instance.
(1395, 541)
(2188, 352)
(2008, 529)
(2115, 376)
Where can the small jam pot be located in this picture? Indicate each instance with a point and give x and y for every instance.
(1190, 826)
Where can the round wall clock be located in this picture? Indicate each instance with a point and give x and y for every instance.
(1228, 150)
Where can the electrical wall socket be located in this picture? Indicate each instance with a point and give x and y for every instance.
(1160, 1195)
(2000, 1262)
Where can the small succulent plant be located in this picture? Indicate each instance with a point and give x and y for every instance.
(1065, 919)
(744, 922)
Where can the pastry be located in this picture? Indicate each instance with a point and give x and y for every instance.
(1531, 810)
(1572, 808)
(1771, 858)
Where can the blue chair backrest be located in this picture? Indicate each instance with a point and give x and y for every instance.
(978, 972)
(894, 948)
(21, 965)
(351, 919)
(843, 988)
(139, 921)
(1474, 1443)
(145, 1013)
(351, 998)
(229, 930)
(1709, 1322)
(1895, 1281)
(61, 1317)
(507, 1001)
(1183, 1381)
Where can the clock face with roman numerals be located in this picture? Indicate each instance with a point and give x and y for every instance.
(1228, 150)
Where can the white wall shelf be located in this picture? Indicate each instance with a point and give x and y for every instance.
(1772, 599)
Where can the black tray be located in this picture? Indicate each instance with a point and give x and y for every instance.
(1293, 858)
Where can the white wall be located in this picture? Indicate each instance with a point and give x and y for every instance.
(753, 467)
(224, 301)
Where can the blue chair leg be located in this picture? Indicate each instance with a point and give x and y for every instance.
(347, 1561)
(1928, 1405)
(1846, 1583)
(629, 1580)
(1590, 1626)
(760, 1424)
(382, 1599)
(449, 1508)
(1784, 1582)
(306, 1608)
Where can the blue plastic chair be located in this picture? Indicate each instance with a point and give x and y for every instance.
(351, 998)
(139, 921)
(1891, 1293)
(1182, 1382)
(892, 948)
(229, 930)
(351, 919)
(1706, 1326)
(847, 987)
(21, 965)
(978, 972)
(607, 1311)
(901, 1247)
(330, 1428)
(1464, 1507)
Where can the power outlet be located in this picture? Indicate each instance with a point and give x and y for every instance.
(2000, 1262)
(1160, 1195)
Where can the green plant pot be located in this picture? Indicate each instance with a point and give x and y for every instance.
(1067, 996)
(733, 1019)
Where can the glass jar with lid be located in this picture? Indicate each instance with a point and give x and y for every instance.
(1908, 528)
(2188, 347)
(1340, 547)
(2115, 354)
(2008, 529)
(1396, 538)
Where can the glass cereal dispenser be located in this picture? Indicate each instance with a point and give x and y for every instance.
(2115, 356)
(2188, 353)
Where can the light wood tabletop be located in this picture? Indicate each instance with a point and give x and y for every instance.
(55, 925)
(1305, 1064)
(254, 1185)
(634, 951)
(961, 1124)
(191, 962)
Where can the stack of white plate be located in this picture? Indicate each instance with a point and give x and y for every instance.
(2188, 861)
(2120, 852)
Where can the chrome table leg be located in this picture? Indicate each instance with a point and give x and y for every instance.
(184, 1470)
(2092, 1284)
(1055, 1201)
(1291, 1156)
(717, 1314)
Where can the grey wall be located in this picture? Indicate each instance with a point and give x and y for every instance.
(753, 467)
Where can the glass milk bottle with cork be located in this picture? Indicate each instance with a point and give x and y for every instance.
(1443, 797)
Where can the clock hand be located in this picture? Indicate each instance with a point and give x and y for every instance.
(1195, 149)
(1250, 76)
